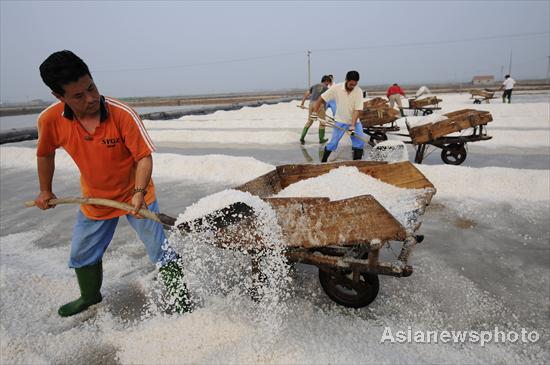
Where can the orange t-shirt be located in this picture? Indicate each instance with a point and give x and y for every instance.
(107, 159)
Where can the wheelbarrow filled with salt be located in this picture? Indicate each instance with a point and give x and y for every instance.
(338, 216)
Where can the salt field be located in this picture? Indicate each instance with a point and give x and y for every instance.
(484, 263)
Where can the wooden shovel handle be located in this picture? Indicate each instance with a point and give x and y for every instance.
(98, 201)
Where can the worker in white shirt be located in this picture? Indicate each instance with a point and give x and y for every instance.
(508, 86)
(349, 103)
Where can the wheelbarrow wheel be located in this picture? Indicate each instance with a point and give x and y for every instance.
(342, 290)
(453, 154)
(477, 101)
(427, 112)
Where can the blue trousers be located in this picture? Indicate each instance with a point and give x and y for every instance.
(92, 237)
(337, 135)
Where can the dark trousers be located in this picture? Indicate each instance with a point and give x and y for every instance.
(507, 94)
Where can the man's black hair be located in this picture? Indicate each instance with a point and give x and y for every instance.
(325, 78)
(352, 76)
(62, 68)
(506, 76)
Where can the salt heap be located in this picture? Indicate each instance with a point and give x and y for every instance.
(347, 181)
(213, 272)
(389, 151)
(218, 201)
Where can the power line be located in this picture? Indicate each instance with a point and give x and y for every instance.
(203, 63)
(433, 43)
(293, 53)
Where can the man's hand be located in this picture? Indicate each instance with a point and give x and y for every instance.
(351, 130)
(138, 203)
(43, 198)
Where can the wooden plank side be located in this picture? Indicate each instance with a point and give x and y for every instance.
(482, 93)
(420, 134)
(265, 185)
(400, 174)
(459, 112)
(356, 220)
(379, 116)
(419, 103)
(375, 103)
(318, 222)
(457, 121)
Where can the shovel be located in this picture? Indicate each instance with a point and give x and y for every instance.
(217, 219)
(332, 123)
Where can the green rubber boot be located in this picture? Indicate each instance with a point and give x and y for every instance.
(322, 138)
(89, 280)
(178, 296)
(304, 132)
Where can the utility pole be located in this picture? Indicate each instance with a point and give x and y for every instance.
(501, 72)
(548, 72)
(308, 69)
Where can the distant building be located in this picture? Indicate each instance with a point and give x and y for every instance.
(483, 80)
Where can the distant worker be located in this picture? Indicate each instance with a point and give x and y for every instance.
(394, 95)
(508, 86)
(349, 103)
(331, 104)
(313, 94)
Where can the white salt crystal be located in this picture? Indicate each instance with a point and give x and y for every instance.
(347, 181)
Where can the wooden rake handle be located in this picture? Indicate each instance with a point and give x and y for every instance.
(98, 201)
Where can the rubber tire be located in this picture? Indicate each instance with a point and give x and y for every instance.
(359, 300)
(427, 112)
(453, 150)
(477, 101)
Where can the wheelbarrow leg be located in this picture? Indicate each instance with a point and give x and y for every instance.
(408, 246)
(420, 149)
(374, 252)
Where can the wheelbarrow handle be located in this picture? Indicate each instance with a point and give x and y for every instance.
(217, 219)
(99, 201)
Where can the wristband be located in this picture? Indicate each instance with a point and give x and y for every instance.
(140, 190)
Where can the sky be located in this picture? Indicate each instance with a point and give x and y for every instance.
(166, 48)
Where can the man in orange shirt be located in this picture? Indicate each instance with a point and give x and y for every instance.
(110, 146)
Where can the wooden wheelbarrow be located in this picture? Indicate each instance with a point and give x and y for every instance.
(347, 255)
(453, 148)
(480, 96)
